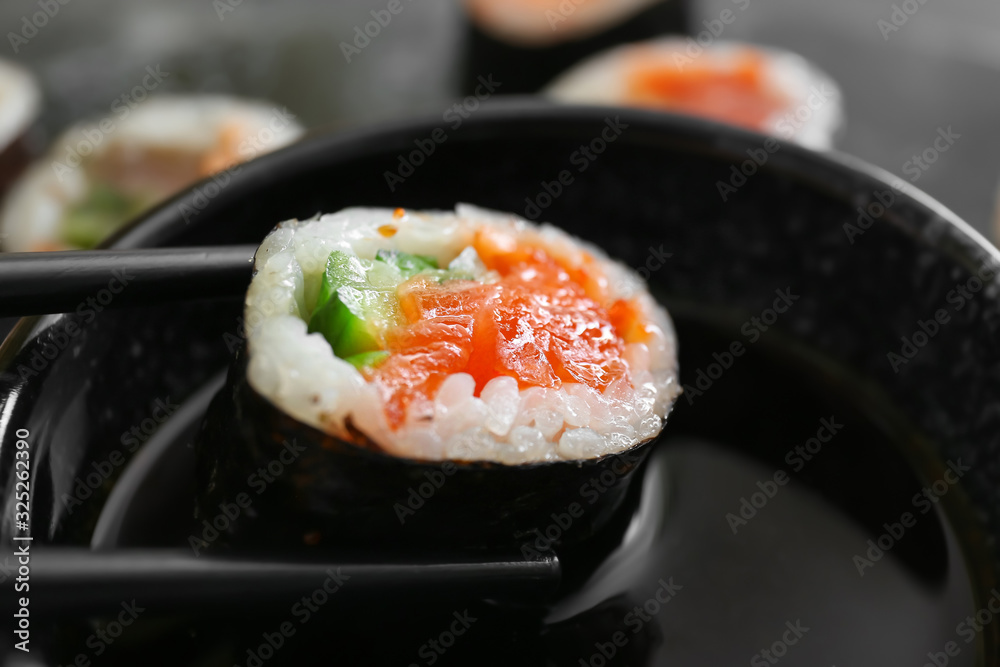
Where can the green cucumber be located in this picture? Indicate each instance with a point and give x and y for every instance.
(367, 359)
(408, 265)
(356, 301)
(92, 220)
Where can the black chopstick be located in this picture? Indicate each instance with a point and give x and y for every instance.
(38, 283)
(66, 581)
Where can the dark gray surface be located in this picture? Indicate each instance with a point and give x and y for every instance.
(940, 69)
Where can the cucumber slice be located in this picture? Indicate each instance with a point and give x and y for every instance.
(367, 359)
(408, 265)
(351, 310)
(357, 298)
(341, 269)
(361, 310)
(92, 220)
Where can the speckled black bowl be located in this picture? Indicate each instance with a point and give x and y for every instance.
(652, 190)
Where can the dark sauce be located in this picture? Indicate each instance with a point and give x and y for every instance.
(736, 547)
(776, 476)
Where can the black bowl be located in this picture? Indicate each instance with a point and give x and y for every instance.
(800, 283)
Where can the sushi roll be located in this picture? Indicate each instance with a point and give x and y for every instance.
(996, 217)
(99, 175)
(524, 43)
(20, 103)
(497, 363)
(762, 89)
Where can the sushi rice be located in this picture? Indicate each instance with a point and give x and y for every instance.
(94, 180)
(508, 420)
(20, 102)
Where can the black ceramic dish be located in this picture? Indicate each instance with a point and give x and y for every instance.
(682, 582)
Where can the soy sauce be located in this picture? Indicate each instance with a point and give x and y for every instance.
(800, 522)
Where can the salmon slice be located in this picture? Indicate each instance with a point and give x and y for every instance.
(739, 94)
(539, 323)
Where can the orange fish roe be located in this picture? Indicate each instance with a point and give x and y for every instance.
(539, 323)
(738, 93)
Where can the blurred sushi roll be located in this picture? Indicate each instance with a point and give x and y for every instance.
(996, 217)
(20, 104)
(99, 175)
(471, 356)
(524, 43)
(762, 89)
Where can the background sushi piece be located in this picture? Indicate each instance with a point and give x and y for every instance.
(20, 103)
(762, 89)
(100, 174)
(996, 214)
(524, 43)
(546, 22)
(900, 83)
